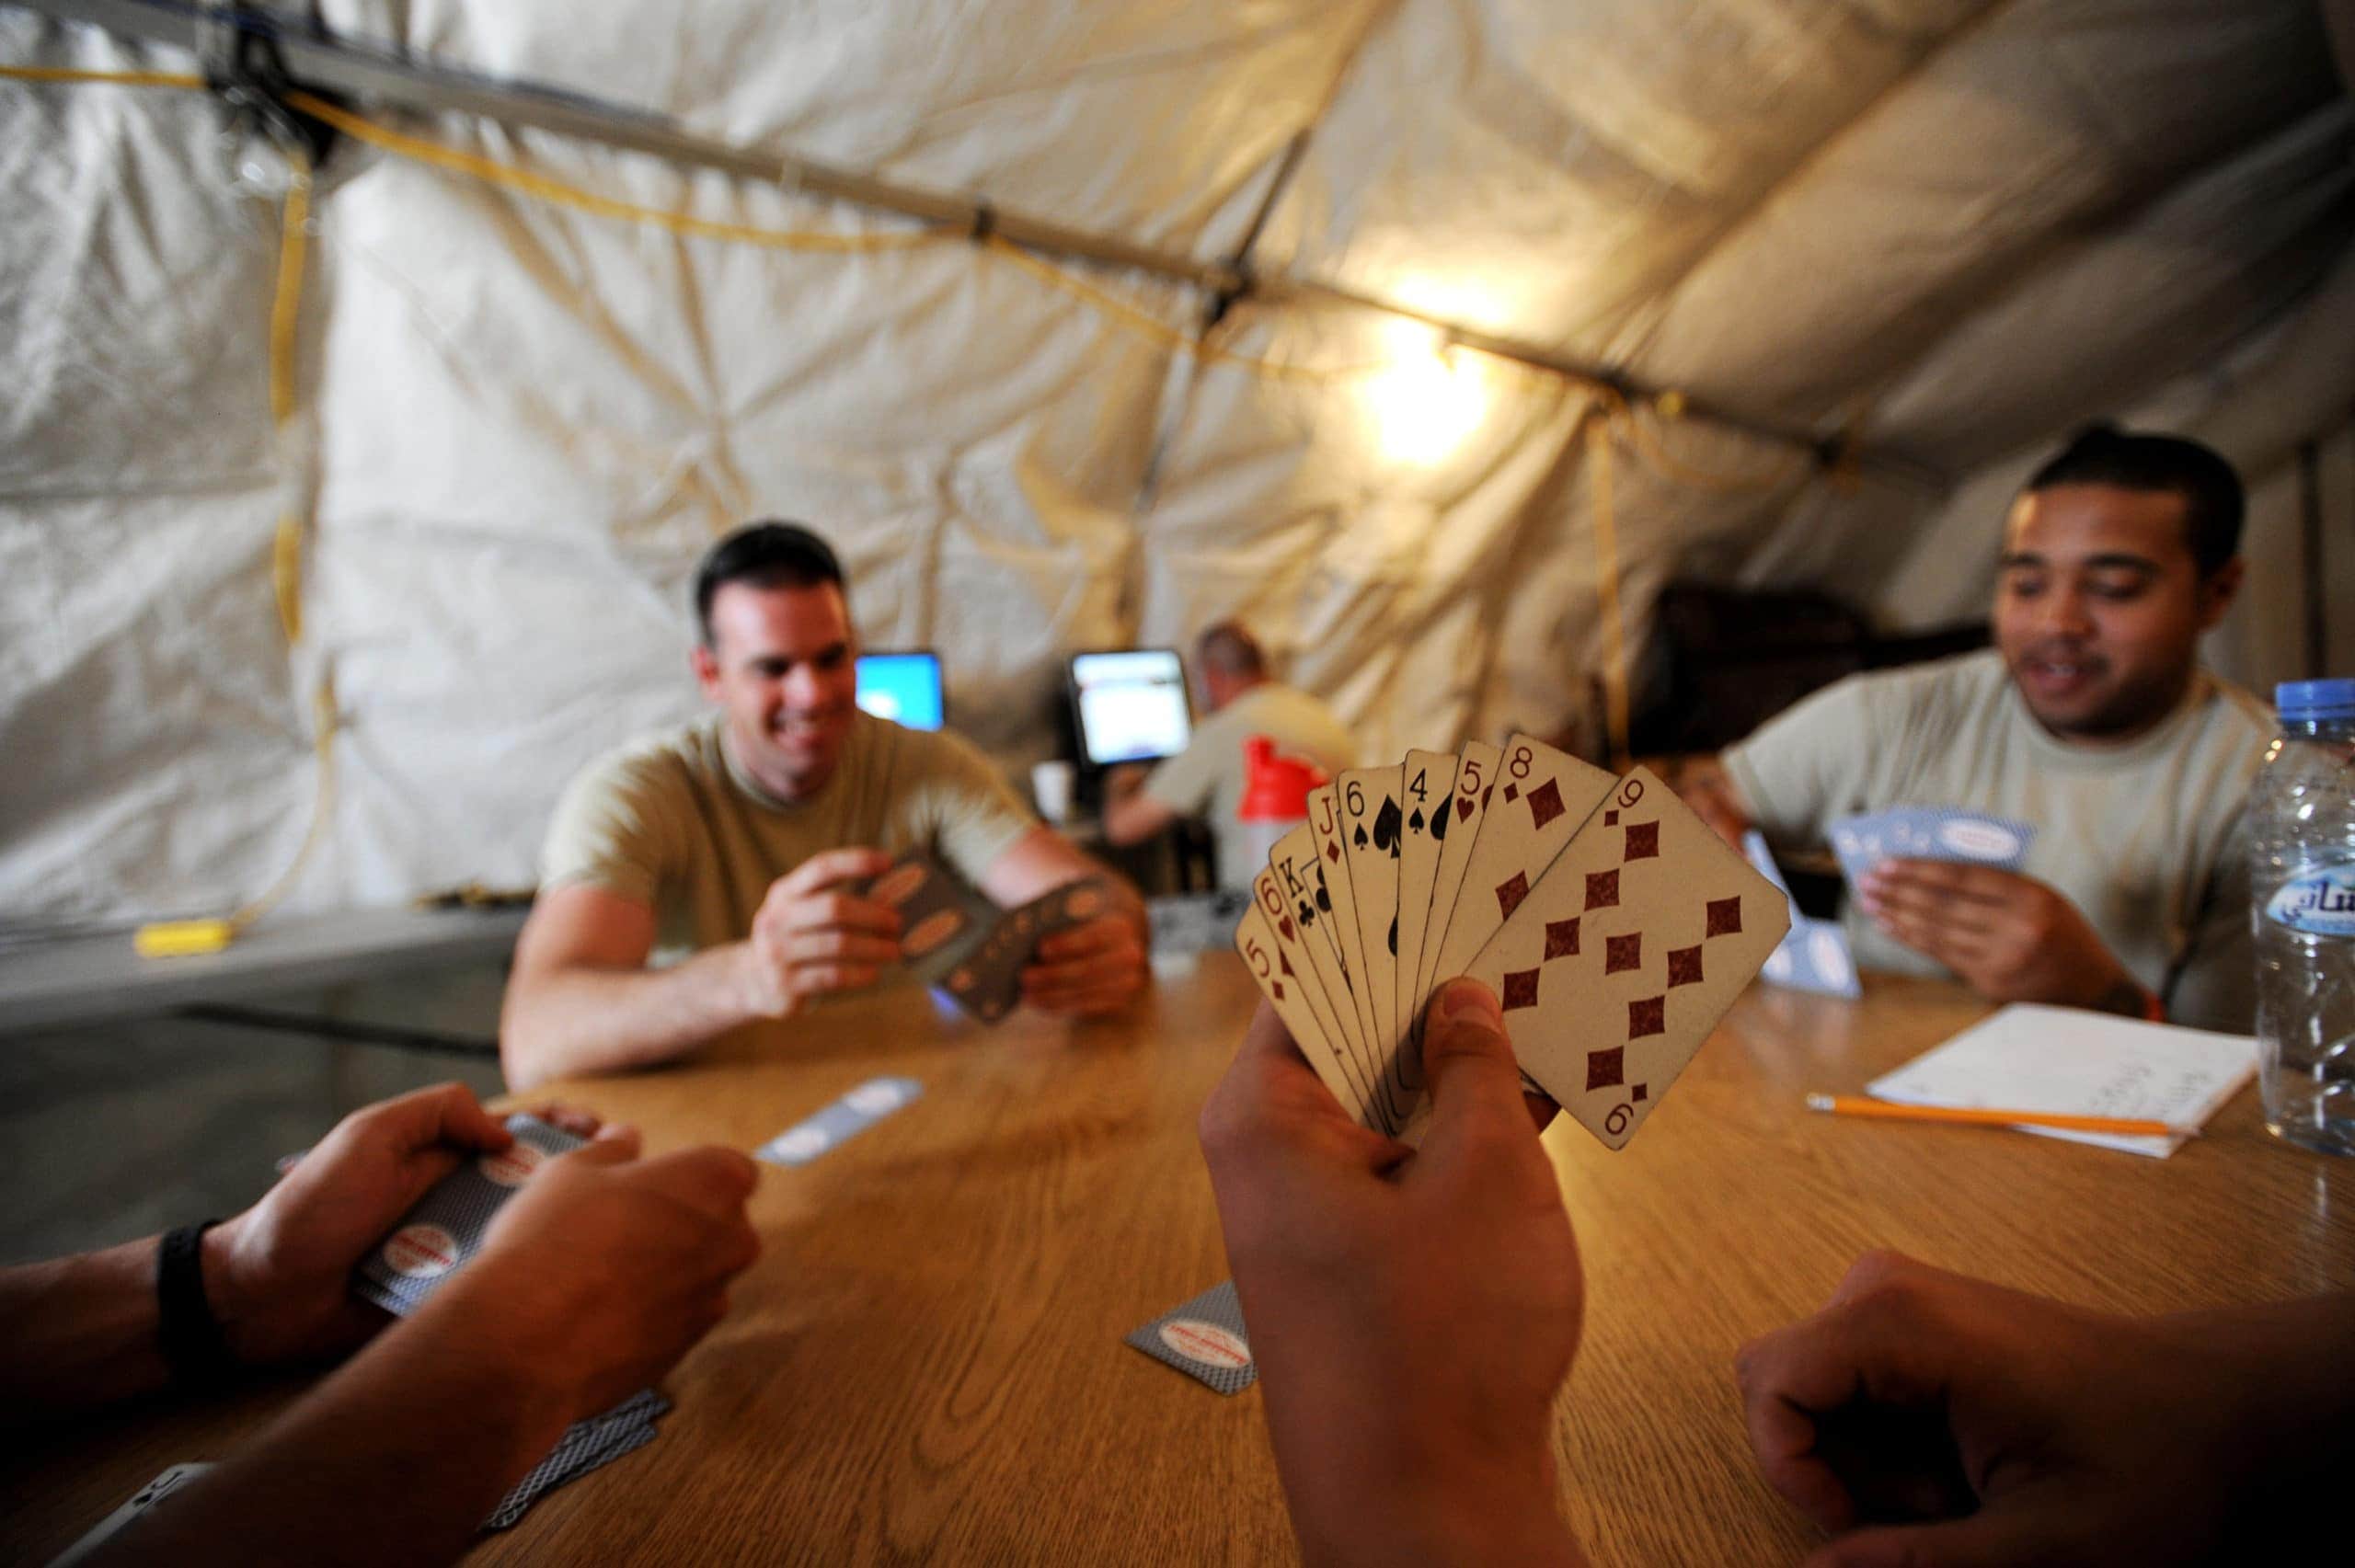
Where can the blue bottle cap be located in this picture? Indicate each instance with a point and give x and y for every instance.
(2307, 701)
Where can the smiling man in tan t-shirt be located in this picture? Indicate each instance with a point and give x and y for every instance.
(2091, 720)
(725, 846)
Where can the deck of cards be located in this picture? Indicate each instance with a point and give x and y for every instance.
(1613, 926)
(952, 936)
(1929, 832)
(438, 1237)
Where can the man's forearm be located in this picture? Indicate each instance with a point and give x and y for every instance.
(581, 1019)
(398, 1458)
(80, 1332)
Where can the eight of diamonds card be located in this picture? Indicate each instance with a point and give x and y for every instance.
(1536, 802)
(1621, 960)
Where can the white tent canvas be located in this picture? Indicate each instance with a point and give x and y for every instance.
(1932, 232)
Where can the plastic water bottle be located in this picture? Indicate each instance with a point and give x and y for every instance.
(1274, 800)
(2301, 882)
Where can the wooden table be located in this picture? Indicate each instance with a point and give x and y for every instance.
(926, 1362)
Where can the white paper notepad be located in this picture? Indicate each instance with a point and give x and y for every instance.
(2027, 1057)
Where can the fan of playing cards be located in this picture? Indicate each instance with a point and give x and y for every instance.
(1614, 927)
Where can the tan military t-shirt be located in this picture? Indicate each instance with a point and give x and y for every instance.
(671, 822)
(2145, 839)
(1206, 779)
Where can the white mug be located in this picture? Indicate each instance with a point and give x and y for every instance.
(1050, 786)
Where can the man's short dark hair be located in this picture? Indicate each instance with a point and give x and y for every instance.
(2213, 503)
(766, 555)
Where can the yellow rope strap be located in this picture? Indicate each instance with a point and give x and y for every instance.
(120, 78)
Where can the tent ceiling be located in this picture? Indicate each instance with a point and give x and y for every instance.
(1950, 227)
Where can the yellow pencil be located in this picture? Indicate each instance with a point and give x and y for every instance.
(1857, 1105)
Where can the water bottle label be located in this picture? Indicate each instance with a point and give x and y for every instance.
(2321, 903)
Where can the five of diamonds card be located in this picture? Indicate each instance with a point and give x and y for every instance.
(1613, 926)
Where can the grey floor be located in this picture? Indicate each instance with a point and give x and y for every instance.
(114, 1131)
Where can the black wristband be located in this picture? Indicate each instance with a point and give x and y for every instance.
(191, 1335)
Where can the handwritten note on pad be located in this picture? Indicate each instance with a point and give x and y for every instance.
(2027, 1057)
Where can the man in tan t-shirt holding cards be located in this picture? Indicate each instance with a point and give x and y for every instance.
(727, 845)
(2090, 721)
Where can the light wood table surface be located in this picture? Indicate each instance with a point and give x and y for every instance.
(926, 1364)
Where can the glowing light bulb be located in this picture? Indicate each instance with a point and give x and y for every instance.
(1428, 400)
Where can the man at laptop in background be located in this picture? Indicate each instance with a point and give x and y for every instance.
(2090, 720)
(1240, 700)
(730, 840)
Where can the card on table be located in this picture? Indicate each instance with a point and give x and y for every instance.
(1536, 801)
(1203, 1339)
(1618, 963)
(444, 1229)
(1814, 954)
(585, 1446)
(146, 1497)
(844, 1118)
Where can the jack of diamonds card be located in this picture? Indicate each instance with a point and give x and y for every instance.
(1618, 963)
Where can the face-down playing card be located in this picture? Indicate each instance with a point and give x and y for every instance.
(1618, 963)
(1814, 954)
(940, 917)
(1929, 832)
(986, 981)
(444, 1229)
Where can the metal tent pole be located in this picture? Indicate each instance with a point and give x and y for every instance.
(313, 57)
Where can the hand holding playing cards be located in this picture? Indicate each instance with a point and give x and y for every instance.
(1089, 969)
(1412, 1312)
(1958, 1423)
(605, 1268)
(2011, 938)
(808, 937)
(279, 1274)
